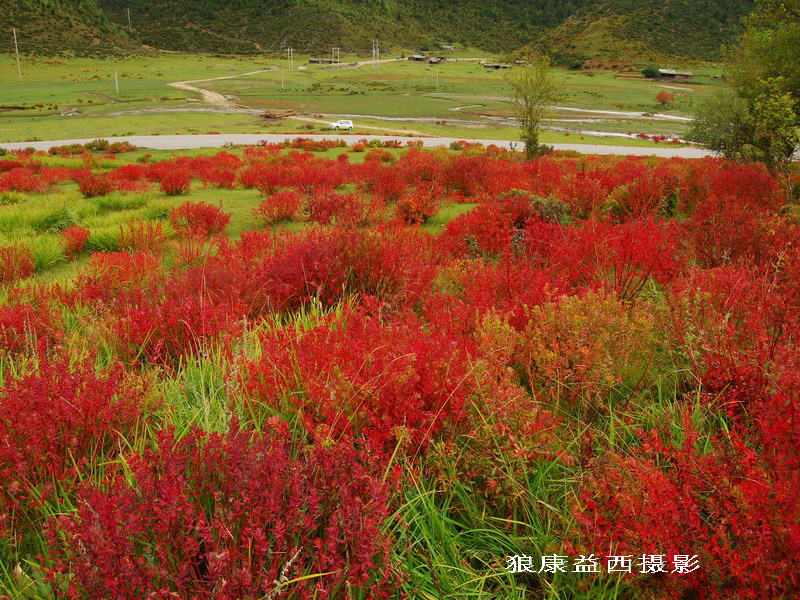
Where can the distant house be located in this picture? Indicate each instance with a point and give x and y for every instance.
(417, 58)
(520, 63)
(436, 60)
(673, 74)
(314, 61)
(496, 66)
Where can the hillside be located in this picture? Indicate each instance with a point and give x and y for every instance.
(317, 25)
(572, 30)
(57, 26)
(617, 30)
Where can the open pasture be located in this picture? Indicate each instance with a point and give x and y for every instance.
(68, 98)
(316, 371)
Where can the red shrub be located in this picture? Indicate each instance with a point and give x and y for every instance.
(227, 517)
(75, 238)
(379, 155)
(198, 220)
(175, 182)
(58, 423)
(417, 206)
(383, 379)
(483, 230)
(16, 262)
(22, 180)
(109, 273)
(727, 505)
(281, 206)
(24, 325)
(143, 236)
(91, 185)
(163, 322)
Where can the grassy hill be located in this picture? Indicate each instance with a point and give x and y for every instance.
(317, 25)
(616, 30)
(572, 30)
(49, 27)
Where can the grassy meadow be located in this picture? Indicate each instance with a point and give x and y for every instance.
(66, 98)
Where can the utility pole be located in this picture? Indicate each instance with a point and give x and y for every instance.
(376, 54)
(16, 51)
(116, 81)
(281, 78)
(290, 58)
(335, 56)
(129, 19)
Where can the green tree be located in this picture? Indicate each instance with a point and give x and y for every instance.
(763, 127)
(722, 124)
(534, 91)
(651, 72)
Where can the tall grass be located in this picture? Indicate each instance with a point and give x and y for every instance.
(48, 251)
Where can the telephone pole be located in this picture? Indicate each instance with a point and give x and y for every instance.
(16, 51)
(290, 58)
(376, 54)
(335, 56)
(129, 19)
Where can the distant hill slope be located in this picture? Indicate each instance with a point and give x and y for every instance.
(572, 30)
(616, 30)
(56, 26)
(318, 25)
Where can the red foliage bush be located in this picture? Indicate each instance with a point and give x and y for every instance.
(24, 325)
(355, 384)
(91, 185)
(281, 206)
(379, 155)
(143, 236)
(731, 506)
(240, 515)
(57, 423)
(417, 206)
(482, 231)
(198, 220)
(75, 238)
(22, 179)
(175, 182)
(16, 262)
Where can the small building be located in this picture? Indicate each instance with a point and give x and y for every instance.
(314, 61)
(673, 74)
(496, 66)
(448, 48)
(417, 58)
(436, 60)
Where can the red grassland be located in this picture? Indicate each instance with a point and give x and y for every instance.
(632, 323)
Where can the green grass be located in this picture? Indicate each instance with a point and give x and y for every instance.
(397, 90)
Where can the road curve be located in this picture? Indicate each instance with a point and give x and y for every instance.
(183, 142)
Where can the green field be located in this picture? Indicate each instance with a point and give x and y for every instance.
(66, 98)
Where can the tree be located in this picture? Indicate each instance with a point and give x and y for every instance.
(722, 124)
(664, 97)
(534, 91)
(651, 72)
(763, 127)
(757, 119)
